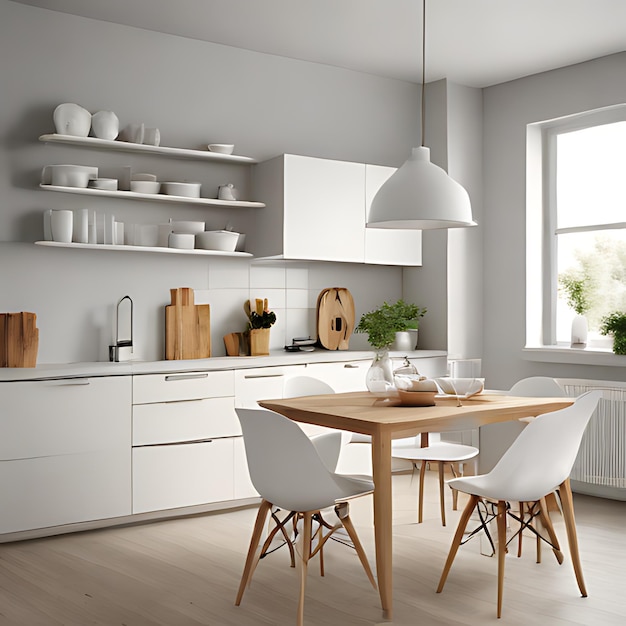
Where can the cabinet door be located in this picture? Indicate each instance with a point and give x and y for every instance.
(323, 209)
(262, 383)
(182, 386)
(64, 452)
(388, 246)
(342, 377)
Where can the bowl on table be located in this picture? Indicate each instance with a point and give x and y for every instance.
(462, 387)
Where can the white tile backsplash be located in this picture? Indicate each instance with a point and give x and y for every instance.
(297, 278)
(297, 298)
(263, 277)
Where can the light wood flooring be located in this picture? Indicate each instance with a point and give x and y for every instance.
(186, 571)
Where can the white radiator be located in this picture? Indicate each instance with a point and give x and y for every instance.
(600, 467)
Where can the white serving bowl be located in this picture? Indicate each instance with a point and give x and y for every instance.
(187, 190)
(184, 241)
(461, 386)
(109, 184)
(190, 227)
(225, 240)
(222, 148)
(145, 186)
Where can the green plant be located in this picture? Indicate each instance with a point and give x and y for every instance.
(382, 324)
(615, 324)
(576, 288)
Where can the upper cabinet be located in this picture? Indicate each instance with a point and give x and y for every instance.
(316, 209)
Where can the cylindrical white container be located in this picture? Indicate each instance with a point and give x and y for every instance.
(61, 223)
(47, 226)
(81, 226)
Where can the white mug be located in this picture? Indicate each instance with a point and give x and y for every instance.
(81, 226)
(61, 225)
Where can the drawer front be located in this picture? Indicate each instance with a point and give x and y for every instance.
(187, 420)
(184, 386)
(262, 383)
(342, 377)
(68, 416)
(243, 485)
(173, 476)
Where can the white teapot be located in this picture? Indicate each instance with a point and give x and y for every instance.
(227, 192)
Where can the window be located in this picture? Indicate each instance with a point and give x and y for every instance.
(576, 235)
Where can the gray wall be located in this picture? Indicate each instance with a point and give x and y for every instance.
(508, 108)
(195, 93)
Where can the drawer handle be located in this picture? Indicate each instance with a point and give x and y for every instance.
(185, 376)
(250, 376)
(351, 366)
(68, 382)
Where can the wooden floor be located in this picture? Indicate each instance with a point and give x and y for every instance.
(186, 572)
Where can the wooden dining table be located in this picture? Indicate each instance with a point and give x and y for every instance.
(385, 419)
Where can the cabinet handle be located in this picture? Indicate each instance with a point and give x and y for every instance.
(351, 366)
(172, 377)
(68, 382)
(249, 376)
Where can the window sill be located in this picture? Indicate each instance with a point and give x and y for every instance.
(563, 354)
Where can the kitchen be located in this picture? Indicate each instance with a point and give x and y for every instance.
(198, 92)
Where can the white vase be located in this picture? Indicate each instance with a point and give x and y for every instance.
(403, 342)
(579, 332)
(379, 377)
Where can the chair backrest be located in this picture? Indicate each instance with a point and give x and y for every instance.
(537, 386)
(543, 454)
(284, 466)
(305, 386)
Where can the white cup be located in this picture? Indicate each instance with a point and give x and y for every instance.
(61, 222)
(81, 226)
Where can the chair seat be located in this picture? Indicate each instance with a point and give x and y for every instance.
(494, 486)
(439, 451)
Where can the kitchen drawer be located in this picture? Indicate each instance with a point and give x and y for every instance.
(186, 420)
(183, 386)
(179, 475)
(343, 377)
(262, 383)
(243, 485)
(66, 416)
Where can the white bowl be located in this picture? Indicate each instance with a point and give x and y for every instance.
(465, 387)
(187, 226)
(184, 241)
(222, 148)
(110, 184)
(225, 240)
(188, 190)
(145, 186)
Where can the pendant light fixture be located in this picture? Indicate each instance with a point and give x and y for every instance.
(420, 195)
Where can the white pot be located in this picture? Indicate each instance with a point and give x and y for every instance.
(579, 332)
(403, 342)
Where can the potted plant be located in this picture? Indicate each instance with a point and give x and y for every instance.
(615, 324)
(381, 326)
(576, 288)
(259, 322)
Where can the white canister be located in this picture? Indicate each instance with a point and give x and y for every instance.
(47, 226)
(61, 224)
(81, 226)
(184, 241)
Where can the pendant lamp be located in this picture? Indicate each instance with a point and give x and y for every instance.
(420, 195)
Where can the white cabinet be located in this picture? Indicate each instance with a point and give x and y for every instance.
(64, 452)
(342, 377)
(316, 209)
(262, 383)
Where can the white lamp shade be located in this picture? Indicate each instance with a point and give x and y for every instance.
(420, 195)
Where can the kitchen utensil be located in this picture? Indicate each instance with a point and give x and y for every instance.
(225, 240)
(187, 327)
(19, 339)
(187, 190)
(109, 184)
(335, 318)
(222, 148)
(72, 119)
(122, 349)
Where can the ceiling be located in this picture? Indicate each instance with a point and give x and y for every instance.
(471, 42)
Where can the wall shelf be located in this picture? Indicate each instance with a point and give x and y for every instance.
(161, 250)
(126, 146)
(155, 197)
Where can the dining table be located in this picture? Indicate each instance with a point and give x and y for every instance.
(385, 418)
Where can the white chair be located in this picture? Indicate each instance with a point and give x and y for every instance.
(436, 451)
(538, 463)
(288, 473)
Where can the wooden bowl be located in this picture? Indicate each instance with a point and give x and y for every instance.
(417, 398)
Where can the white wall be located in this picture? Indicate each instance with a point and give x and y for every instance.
(508, 108)
(195, 93)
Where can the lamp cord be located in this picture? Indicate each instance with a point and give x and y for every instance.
(423, 112)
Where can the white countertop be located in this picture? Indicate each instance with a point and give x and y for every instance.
(49, 371)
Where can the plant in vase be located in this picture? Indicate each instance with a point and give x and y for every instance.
(577, 292)
(615, 324)
(260, 321)
(381, 326)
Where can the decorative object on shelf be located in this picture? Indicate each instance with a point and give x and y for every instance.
(108, 184)
(72, 119)
(68, 175)
(577, 288)
(184, 241)
(19, 339)
(335, 318)
(615, 324)
(187, 327)
(122, 349)
(187, 190)
(105, 125)
(225, 240)
(221, 148)
(259, 323)
(152, 136)
(133, 133)
(227, 192)
(61, 225)
(80, 229)
(421, 195)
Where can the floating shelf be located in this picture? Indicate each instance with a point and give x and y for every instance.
(126, 146)
(155, 197)
(161, 250)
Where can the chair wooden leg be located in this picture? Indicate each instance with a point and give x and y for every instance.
(252, 557)
(420, 496)
(455, 492)
(305, 551)
(521, 530)
(565, 491)
(442, 500)
(501, 523)
(456, 542)
(347, 524)
(544, 516)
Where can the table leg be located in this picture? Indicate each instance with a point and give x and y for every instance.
(381, 466)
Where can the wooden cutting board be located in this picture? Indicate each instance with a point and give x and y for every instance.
(19, 339)
(335, 318)
(187, 327)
